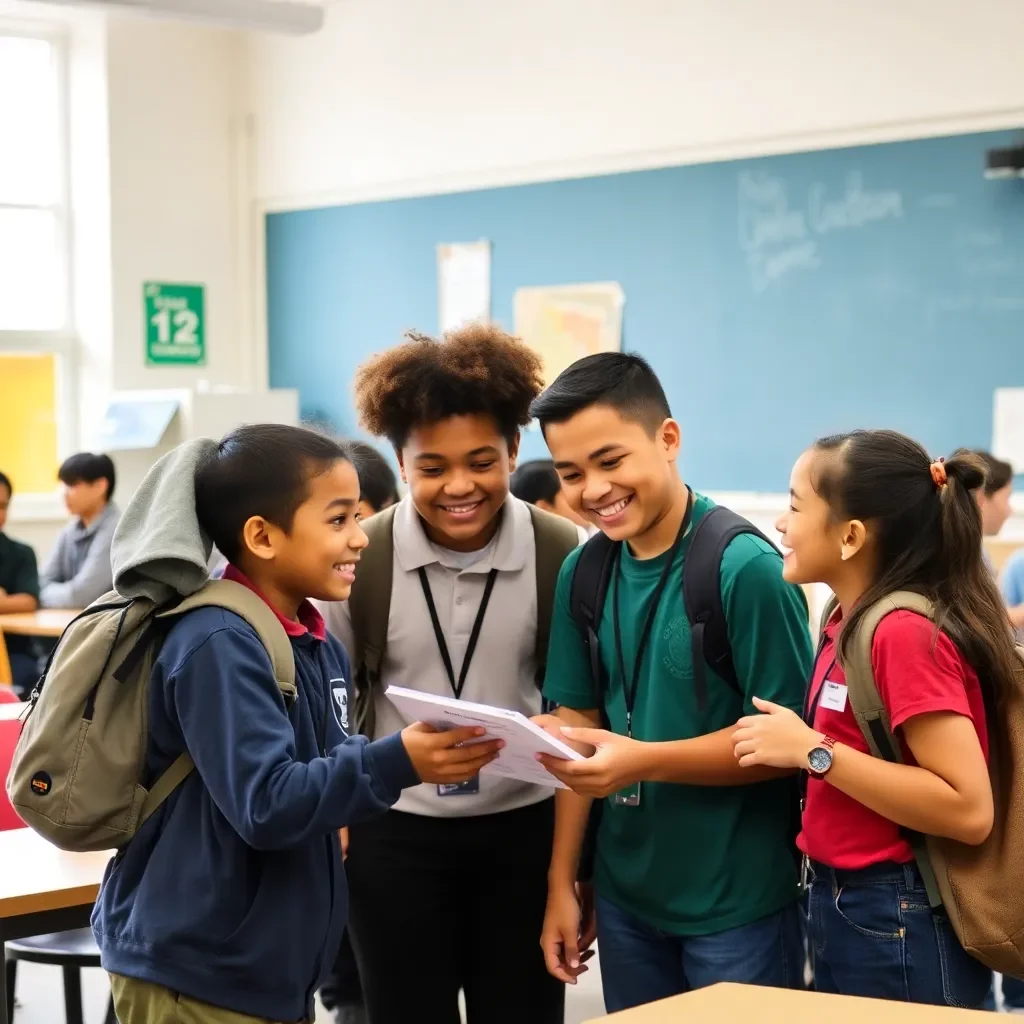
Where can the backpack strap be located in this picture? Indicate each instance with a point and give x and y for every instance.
(826, 614)
(251, 607)
(870, 712)
(587, 595)
(554, 537)
(369, 607)
(702, 596)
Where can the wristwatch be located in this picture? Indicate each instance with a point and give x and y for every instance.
(819, 760)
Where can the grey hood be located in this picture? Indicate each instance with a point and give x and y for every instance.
(159, 550)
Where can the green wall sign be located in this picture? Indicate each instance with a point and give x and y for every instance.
(175, 324)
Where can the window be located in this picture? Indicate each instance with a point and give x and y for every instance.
(35, 340)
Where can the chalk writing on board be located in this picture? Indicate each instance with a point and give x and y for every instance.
(779, 238)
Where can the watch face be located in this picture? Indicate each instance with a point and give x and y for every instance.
(820, 760)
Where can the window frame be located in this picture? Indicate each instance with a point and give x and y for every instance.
(60, 342)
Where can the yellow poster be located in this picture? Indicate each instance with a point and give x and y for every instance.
(568, 322)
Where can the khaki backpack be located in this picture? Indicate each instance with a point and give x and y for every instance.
(370, 603)
(979, 886)
(77, 773)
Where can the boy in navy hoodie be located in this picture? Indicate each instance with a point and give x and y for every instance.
(231, 900)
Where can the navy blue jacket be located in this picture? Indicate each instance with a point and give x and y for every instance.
(233, 893)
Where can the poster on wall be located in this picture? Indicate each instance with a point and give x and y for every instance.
(463, 284)
(1008, 426)
(567, 322)
(175, 324)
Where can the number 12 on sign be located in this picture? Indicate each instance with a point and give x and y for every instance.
(175, 324)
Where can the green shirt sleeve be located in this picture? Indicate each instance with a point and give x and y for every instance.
(567, 678)
(26, 576)
(769, 629)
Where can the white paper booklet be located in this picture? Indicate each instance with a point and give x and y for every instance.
(523, 739)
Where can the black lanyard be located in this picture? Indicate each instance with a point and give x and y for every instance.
(811, 705)
(474, 636)
(629, 689)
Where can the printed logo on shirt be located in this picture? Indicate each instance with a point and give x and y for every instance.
(676, 658)
(833, 696)
(340, 693)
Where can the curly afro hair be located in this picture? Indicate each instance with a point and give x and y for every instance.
(475, 369)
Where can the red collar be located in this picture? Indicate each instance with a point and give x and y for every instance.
(310, 620)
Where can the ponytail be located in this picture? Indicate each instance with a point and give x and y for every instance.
(927, 528)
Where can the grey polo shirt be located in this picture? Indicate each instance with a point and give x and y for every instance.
(78, 570)
(502, 672)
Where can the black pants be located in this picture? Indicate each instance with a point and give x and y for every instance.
(443, 904)
(342, 987)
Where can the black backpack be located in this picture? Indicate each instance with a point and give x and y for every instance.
(702, 599)
(702, 595)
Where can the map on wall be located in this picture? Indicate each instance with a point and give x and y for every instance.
(567, 322)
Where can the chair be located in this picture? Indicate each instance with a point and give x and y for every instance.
(71, 951)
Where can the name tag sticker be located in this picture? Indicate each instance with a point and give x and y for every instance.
(833, 696)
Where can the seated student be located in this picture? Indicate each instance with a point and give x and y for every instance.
(696, 872)
(342, 993)
(78, 569)
(537, 484)
(378, 486)
(993, 497)
(871, 514)
(457, 873)
(19, 592)
(231, 899)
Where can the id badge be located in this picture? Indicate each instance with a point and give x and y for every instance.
(467, 788)
(628, 797)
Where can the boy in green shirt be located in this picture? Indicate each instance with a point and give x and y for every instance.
(695, 868)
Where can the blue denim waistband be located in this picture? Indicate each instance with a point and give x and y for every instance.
(887, 871)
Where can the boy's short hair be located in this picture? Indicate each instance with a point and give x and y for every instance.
(88, 468)
(378, 485)
(477, 369)
(620, 380)
(536, 481)
(5, 481)
(997, 473)
(260, 470)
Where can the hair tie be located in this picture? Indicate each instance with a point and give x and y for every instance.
(939, 475)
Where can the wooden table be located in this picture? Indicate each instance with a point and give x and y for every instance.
(49, 622)
(721, 1004)
(43, 890)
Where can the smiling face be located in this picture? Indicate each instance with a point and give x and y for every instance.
(317, 556)
(614, 473)
(458, 475)
(813, 540)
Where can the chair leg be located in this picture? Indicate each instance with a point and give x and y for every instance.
(73, 995)
(111, 1017)
(11, 969)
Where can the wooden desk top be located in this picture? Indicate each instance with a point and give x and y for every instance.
(777, 1006)
(35, 876)
(45, 622)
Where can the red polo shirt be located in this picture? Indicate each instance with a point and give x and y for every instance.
(310, 620)
(916, 672)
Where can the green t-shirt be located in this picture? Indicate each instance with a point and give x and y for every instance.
(692, 860)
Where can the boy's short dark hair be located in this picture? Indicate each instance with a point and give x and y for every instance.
(88, 468)
(536, 481)
(378, 485)
(997, 473)
(477, 369)
(5, 481)
(620, 380)
(260, 470)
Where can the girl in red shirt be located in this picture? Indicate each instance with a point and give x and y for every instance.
(871, 514)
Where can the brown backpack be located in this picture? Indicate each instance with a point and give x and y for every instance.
(370, 603)
(979, 886)
(79, 766)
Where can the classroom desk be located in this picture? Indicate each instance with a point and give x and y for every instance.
(45, 622)
(43, 890)
(724, 1003)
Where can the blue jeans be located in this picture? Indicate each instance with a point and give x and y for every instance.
(872, 933)
(640, 964)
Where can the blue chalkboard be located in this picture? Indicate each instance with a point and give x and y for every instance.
(779, 299)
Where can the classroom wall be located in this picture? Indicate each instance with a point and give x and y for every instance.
(413, 96)
(158, 159)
